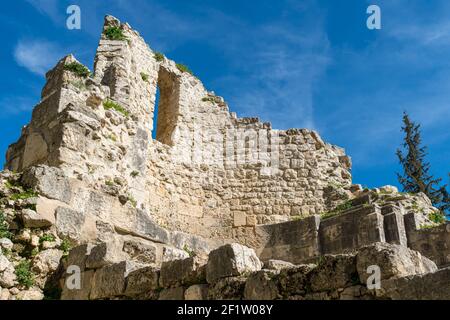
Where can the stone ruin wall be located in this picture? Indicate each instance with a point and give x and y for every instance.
(110, 160)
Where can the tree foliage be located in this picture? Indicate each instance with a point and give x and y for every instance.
(416, 175)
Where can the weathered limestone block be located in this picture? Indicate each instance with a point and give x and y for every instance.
(352, 229)
(109, 281)
(430, 286)
(393, 260)
(147, 227)
(172, 294)
(334, 272)
(141, 281)
(8, 278)
(46, 208)
(171, 253)
(394, 226)
(196, 292)
(50, 182)
(4, 294)
(261, 286)
(4, 262)
(141, 251)
(36, 150)
(231, 288)
(104, 254)
(69, 223)
(32, 219)
(7, 244)
(295, 281)
(231, 260)
(47, 261)
(30, 295)
(78, 255)
(81, 293)
(277, 265)
(186, 271)
(293, 241)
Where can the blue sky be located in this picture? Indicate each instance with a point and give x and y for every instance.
(309, 63)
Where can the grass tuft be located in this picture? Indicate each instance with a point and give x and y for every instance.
(158, 56)
(108, 105)
(184, 68)
(78, 69)
(24, 275)
(115, 33)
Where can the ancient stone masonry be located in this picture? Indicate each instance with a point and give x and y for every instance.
(215, 207)
(207, 173)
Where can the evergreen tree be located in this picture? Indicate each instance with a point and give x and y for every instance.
(416, 175)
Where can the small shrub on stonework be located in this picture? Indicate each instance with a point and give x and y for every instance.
(34, 252)
(24, 275)
(144, 76)
(78, 69)
(65, 246)
(47, 238)
(437, 217)
(158, 56)
(109, 183)
(208, 99)
(24, 195)
(134, 174)
(184, 68)
(4, 232)
(115, 33)
(132, 201)
(190, 252)
(108, 105)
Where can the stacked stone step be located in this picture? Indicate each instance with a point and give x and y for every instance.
(234, 271)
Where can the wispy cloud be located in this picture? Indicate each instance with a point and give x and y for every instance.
(38, 56)
(48, 8)
(15, 105)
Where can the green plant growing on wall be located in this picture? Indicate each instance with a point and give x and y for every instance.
(4, 232)
(134, 174)
(24, 275)
(47, 238)
(158, 56)
(65, 246)
(208, 99)
(115, 33)
(132, 201)
(24, 195)
(184, 68)
(78, 69)
(437, 217)
(190, 252)
(144, 76)
(108, 105)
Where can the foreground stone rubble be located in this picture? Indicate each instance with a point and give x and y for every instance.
(88, 195)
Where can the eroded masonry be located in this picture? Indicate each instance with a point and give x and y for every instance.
(208, 179)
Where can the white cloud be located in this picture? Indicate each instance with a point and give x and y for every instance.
(49, 8)
(15, 105)
(38, 56)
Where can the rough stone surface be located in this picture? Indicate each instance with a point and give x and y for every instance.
(141, 281)
(87, 171)
(32, 219)
(260, 286)
(231, 260)
(393, 260)
(109, 281)
(196, 292)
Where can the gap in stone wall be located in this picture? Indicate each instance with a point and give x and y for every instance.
(167, 109)
(155, 113)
